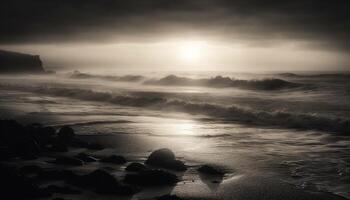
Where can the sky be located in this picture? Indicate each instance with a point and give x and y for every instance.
(225, 35)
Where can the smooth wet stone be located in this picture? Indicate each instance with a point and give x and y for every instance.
(66, 134)
(210, 170)
(114, 159)
(160, 155)
(165, 158)
(135, 167)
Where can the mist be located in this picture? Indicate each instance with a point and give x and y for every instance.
(167, 56)
(238, 36)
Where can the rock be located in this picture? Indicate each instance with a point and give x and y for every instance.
(65, 160)
(86, 158)
(160, 156)
(135, 167)
(151, 178)
(165, 158)
(176, 165)
(209, 170)
(114, 159)
(14, 62)
(66, 134)
(60, 190)
(168, 197)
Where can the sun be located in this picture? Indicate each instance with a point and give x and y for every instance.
(191, 51)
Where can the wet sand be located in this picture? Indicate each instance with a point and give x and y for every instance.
(237, 184)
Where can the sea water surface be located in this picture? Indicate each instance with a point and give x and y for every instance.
(291, 126)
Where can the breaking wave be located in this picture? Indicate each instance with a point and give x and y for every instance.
(221, 82)
(215, 82)
(328, 76)
(231, 113)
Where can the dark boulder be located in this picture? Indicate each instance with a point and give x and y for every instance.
(66, 134)
(210, 170)
(151, 178)
(135, 167)
(85, 157)
(176, 165)
(161, 155)
(165, 158)
(66, 160)
(114, 159)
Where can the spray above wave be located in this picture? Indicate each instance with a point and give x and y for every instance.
(126, 78)
(232, 113)
(222, 82)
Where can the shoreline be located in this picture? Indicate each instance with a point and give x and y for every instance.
(191, 183)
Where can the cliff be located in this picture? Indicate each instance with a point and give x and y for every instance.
(13, 62)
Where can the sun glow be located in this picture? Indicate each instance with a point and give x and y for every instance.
(191, 51)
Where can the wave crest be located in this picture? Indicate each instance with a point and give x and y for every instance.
(232, 113)
(220, 82)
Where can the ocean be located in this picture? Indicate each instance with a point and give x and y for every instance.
(292, 126)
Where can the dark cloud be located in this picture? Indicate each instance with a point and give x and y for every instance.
(255, 22)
